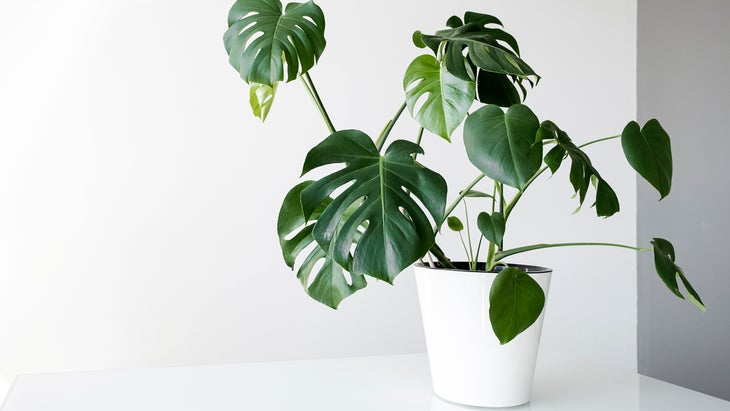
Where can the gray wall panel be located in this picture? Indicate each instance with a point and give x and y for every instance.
(684, 80)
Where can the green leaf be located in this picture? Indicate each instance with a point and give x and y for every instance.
(669, 271)
(455, 224)
(380, 189)
(480, 18)
(327, 284)
(497, 89)
(267, 44)
(554, 157)
(649, 152)
(492, 226)
(437, 99)
(515, 302)
(261, 97)
(582, 172)
(488, 48)
(417, 38)
(606, 199)
(476, 194)
(501, 145)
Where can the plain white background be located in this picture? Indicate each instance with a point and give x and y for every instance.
(138, 196)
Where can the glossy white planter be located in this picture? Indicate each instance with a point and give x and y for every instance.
(468, 365)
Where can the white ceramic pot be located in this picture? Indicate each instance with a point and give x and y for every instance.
(468, 365)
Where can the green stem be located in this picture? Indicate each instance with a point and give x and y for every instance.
(517, 197)
(472, 261)
(418, 141)
(501, 210)
(312, 90)
(440, 256)
(388, 127)
(599, 140)
(466, 250)
(420, 136)
(504, 254)
(490, 255)
(494, 196)
(479, 248)
(456, 202)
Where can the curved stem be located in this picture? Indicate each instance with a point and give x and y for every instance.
(309, 85)
(503, 254)
(458, 199)
(479, 248)
(599, 140)
(516, 198)
(388, 127)
(490, 255)
(466, 250)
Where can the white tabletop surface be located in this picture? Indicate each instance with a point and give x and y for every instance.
(383, 383)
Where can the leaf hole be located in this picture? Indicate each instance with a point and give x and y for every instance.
(253, 37)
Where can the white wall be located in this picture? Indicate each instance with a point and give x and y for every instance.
(139, 196)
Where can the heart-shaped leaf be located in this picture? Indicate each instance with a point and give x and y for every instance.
(515, 302)
(649, 152)
(669, 271)
(437, 99)
(266, 43)
(492, 226)
(582, 171)
(379, 190)
(501, 145)
(261, 97)
(328, 283)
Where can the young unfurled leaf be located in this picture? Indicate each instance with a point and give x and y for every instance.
(395, 231)
(261, 97)
(264, 39)
(492, 226)
(649, 152)
(501, 145)
(669, 271)
(515, 302)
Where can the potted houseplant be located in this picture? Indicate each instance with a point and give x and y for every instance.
(379, 212)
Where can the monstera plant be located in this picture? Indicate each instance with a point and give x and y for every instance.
(381, 210)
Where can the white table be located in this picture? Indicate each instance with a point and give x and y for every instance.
(383, 383)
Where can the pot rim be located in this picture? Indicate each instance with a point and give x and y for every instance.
(530, 269)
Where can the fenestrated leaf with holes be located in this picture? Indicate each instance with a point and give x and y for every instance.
(327, 284)
(263, 38)
(437, 99)
(477, 48)
(395, 230)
